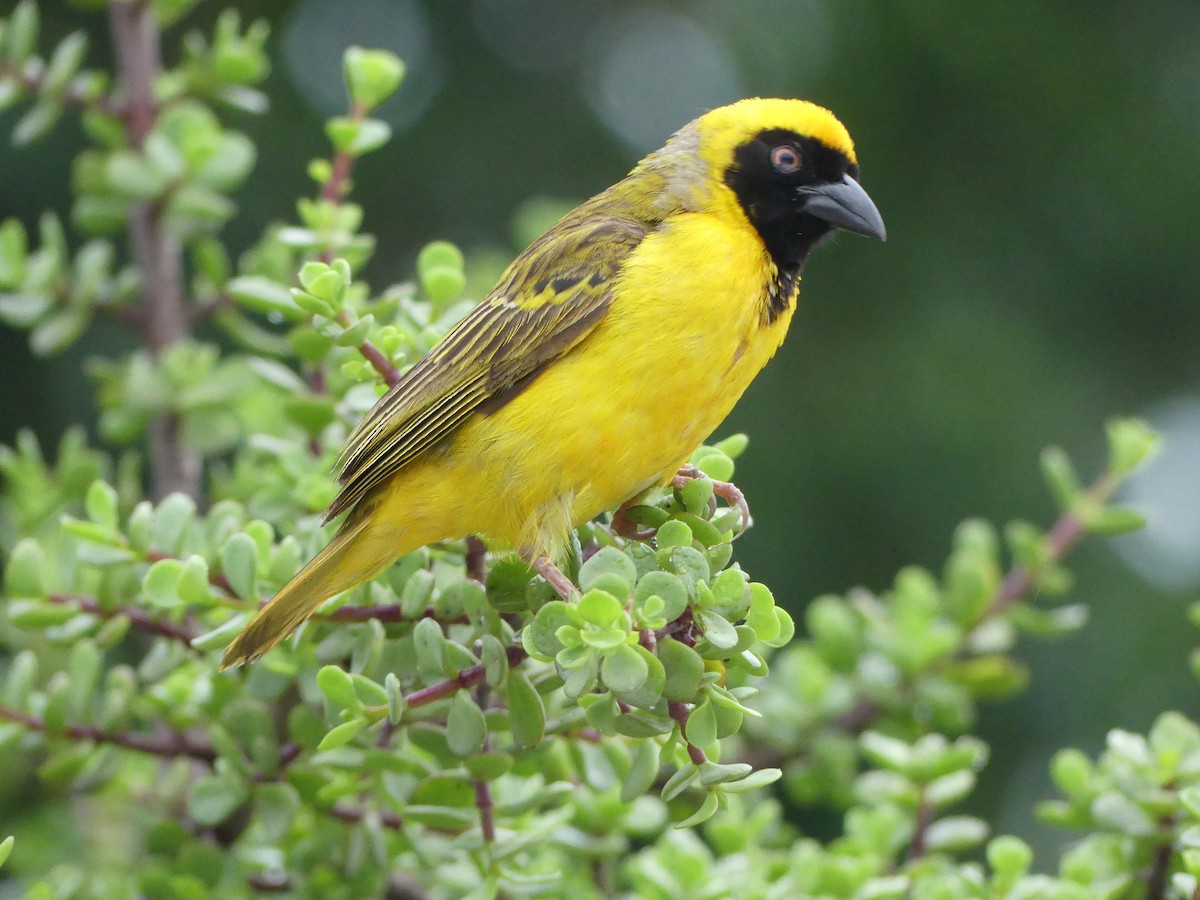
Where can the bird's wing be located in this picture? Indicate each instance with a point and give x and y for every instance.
(548, 300)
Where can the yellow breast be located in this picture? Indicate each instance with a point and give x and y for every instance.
(621, 412)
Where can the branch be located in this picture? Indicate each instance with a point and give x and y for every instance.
(158, 256)
(1064, 534)
(483, 790)
(172, 744)
(372, 354)
(30, 79)
(468, 677)
(679, 712)
(138, 618)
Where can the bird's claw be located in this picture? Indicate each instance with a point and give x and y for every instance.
(726, 490)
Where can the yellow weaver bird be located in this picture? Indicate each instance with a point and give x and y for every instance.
(608, 351)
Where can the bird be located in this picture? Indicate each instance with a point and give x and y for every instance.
(603, 357)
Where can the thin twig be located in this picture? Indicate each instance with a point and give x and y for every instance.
(483, 790)
(138, 618)
(172, 744)
(679, 712)
(476, 559)
(30, 78)
(916, 846)
(468, 677)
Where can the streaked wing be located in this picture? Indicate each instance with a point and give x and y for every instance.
(548, 300)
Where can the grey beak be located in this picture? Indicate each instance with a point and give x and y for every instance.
(846, 205)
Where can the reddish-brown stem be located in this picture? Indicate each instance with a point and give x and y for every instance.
(476, 559)
(164, 317)
(1062, 537)
(468, 677)
(31, 78)
(355, 814)
(916, 847)
(483, 790)
(679, 712)
(171, 744)
(217, 579)
(138, 618)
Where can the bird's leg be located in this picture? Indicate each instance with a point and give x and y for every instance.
(555, 578)
(726, 490)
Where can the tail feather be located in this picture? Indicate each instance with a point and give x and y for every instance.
(345, 562)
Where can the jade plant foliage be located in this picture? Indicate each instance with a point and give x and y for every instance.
(452, 729)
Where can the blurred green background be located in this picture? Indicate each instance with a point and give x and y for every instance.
(1036, 164)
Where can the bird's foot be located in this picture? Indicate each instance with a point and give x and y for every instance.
(555, 578)
(624, 526)
(726, 490)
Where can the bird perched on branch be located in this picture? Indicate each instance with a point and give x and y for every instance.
(608, 351)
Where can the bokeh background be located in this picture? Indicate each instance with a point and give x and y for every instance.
(1037, 166)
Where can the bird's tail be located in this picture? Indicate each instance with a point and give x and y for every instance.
(347, 560)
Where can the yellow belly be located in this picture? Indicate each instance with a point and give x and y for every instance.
(616, 415)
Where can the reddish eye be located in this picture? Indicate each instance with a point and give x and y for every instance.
(785, 159)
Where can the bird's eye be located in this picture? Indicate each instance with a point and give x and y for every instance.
(785, 159)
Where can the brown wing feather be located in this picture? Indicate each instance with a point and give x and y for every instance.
(547, 301)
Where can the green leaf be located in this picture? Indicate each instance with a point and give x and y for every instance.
(23, 310)
(101, 504)
(430, 645)
(955, 834)
(59, 331)
(395, 698)
(599, 608)
(488, 766)
(713, 463)
(23, 572)
(371, 75)
(733, 446)
(170, 520)
(263, 295)
(526, 711)
(1008, 856)
(131, 175)
(239, 564)
(370, 135)
(6, 846)
(214, 798)
(540, 637)
(343, 734)
(1131, 442)
(338, 685)
(508, 585)
(609, 570)
(222, 635)
(466, 727)
(369, 693)
(673, 534)
(1113, 520)
(701, 728)
(1060, 477)
(624, 670)
(666, 586)
(717, 630)
(643, 770)
(885, 751)
(161, 584)
(684, 669)
(759, 778)
(679, 782)
(277, 804)
(22, 32)
(704, 813)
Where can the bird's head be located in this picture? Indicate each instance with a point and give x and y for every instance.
(787, 166)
